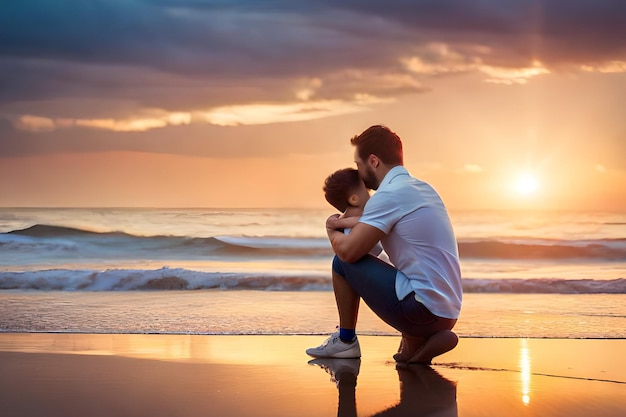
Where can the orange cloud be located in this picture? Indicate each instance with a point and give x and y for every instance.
(608, 67)
(472, 168)
(131, 124)
(34, 123)
(443, 59)
(502, 75)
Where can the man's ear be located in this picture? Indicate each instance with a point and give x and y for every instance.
(373, 160)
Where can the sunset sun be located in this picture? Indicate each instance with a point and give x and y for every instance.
(526, 185)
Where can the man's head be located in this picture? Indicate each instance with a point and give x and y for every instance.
(378, 149)
(344, 188)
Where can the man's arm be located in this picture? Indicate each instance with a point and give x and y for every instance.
(352, 247)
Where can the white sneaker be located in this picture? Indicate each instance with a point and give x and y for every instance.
(334, 347)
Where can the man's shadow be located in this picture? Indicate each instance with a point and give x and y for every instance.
(423, 391)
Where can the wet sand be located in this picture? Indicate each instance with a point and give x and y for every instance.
(180, 375)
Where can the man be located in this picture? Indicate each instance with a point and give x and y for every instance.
(420, 293)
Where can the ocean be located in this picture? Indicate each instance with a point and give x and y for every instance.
(267, 271)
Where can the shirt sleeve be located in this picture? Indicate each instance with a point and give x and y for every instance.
(381, 211)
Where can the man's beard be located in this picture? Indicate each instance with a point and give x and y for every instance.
(369, 179)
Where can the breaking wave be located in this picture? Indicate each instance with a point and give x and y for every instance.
(184, 279)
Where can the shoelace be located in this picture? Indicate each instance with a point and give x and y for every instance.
(331, 340)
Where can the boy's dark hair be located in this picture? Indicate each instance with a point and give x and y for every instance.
(380, 141)
(338, 186)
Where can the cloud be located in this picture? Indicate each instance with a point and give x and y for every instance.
(501, 75)
(158, 119)
(258, 114)
(130, 125)
(441, 59)
(61, 48)
(35, 123)
(472, 168)
(606, 67)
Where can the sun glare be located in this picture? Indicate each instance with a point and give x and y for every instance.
(526, 184)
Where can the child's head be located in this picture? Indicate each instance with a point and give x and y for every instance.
(344, 188)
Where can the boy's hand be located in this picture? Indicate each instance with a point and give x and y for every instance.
(331, 222)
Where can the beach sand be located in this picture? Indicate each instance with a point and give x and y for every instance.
(184, 375)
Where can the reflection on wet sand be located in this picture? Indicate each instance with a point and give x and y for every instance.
(423, 391)
(61, 375)
(524, 365)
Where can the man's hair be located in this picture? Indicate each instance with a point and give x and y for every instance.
(380, 141)
(338, 186)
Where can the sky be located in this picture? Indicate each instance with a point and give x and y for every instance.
(197, 103)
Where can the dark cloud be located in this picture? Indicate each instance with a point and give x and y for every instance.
(282, 37)
(220, 41)
(139, 50)
(79, 48)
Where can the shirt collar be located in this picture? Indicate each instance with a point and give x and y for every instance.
(392, 174)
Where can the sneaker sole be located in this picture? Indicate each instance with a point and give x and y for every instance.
(338, 355)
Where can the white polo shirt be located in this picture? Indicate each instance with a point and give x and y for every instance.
(419, 241)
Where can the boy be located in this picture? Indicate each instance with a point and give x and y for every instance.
(345, 191)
